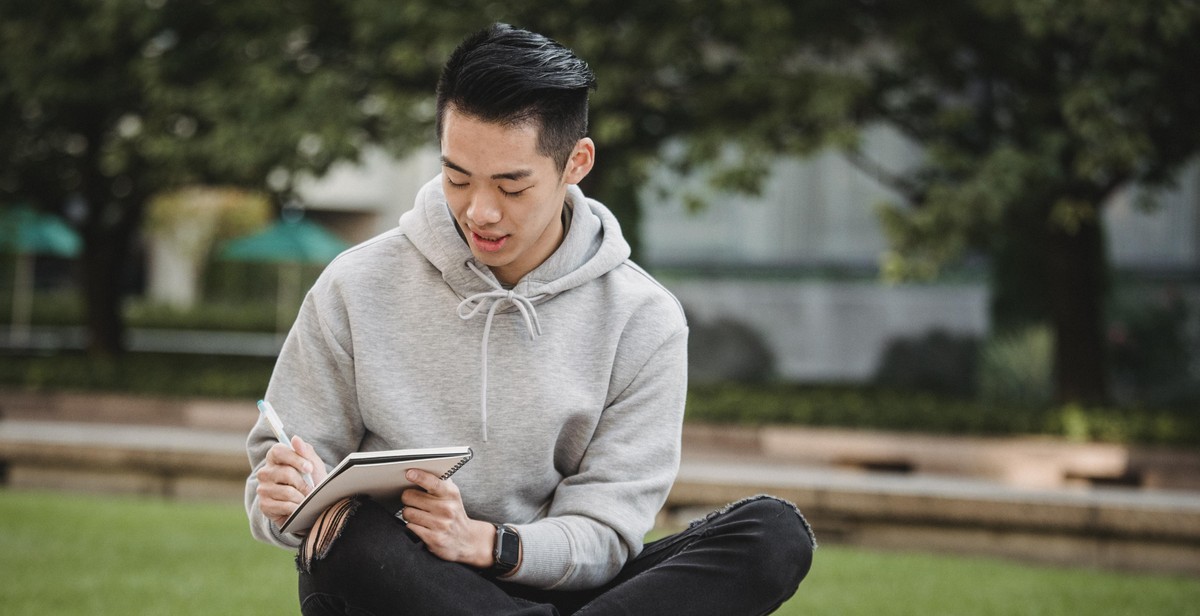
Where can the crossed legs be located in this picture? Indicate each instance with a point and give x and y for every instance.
(744, 559)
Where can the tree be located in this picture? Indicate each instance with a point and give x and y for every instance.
(1033, 113)
(670, 71)
(109, 103)
(105, 104)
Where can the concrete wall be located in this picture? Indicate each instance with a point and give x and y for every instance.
(1164, 236)
(379, 185)
(813, 214)
(813, 211)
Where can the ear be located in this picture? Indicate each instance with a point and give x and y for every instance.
(581, 161)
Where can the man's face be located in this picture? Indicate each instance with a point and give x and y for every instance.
(506, 197)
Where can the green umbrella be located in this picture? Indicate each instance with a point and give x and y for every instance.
(286, 241)
(27, 232)
(290, 242)
(24, 230)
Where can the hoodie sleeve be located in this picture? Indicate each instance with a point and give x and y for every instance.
(312, 388)
(600, 515)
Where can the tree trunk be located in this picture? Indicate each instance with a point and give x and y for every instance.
(1076, 273)
(106, 249)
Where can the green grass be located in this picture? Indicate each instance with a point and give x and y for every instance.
(853, 581)
(71, 554)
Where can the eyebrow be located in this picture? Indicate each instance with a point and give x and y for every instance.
(519, 174)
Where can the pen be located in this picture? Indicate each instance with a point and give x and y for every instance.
(268, 411)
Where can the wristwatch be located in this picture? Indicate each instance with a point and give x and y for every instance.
(507, 553)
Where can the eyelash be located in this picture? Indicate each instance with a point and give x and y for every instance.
(510, 195)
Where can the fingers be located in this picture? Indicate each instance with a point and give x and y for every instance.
(281, 455)
(281, 484)
(316, 465)
(434, 512)
(434, 485)
(441, 523)
(439, 498)
(277, 502)
(280, 479)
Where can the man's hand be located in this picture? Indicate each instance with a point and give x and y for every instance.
(436, 514)
(281, 484)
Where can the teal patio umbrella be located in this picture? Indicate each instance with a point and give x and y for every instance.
(286, 241)
(290, 242)
(26, 233)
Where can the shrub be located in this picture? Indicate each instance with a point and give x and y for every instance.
(884, 409)
(1017, 368)
(938, 361)
(166, 374)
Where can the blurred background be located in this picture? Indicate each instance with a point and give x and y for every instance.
(884, 217)
(995, 201)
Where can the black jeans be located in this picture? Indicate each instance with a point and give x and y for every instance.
(747, 558)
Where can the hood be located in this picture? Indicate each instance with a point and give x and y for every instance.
(592, 247)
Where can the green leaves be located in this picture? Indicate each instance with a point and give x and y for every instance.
(1025, 108)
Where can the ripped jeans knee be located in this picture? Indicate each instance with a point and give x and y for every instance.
(325, 532)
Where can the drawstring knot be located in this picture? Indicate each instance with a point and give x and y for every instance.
(471, 306)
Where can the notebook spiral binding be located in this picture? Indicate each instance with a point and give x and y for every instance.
(464, 460)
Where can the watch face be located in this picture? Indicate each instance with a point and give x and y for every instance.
(508, 546)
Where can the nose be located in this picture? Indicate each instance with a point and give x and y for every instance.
(483, 209)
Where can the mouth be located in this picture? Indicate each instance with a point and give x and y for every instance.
(488, 243)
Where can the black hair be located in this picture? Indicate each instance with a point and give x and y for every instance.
(511, 76)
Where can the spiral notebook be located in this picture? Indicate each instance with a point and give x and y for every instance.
(379, 474)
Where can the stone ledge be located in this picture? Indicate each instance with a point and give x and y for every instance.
(155, 460)
(1153, 536)
(1121, 528)
(1016, 461)
(123, 409)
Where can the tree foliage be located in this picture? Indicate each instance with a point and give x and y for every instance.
(104, 104)
(1031, 112)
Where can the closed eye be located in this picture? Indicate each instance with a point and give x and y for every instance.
(514, 194)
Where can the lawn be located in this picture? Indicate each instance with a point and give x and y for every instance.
(71, 554)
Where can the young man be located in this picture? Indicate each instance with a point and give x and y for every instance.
(504, 313)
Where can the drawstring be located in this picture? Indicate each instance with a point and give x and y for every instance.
(469, 307)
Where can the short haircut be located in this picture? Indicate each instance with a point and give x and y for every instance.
(511, 76)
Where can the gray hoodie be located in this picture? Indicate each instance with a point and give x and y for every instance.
(569, 387)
